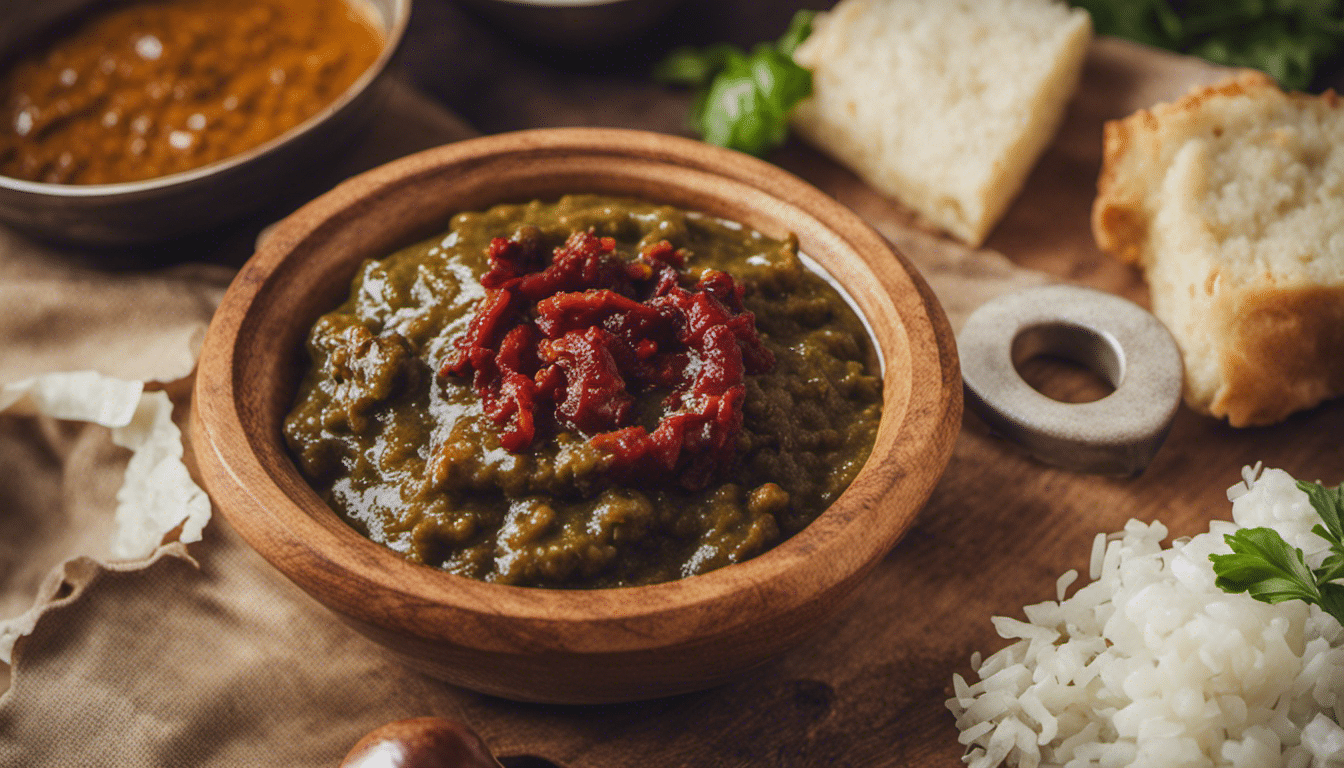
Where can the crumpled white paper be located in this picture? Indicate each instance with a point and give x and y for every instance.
(157, 493)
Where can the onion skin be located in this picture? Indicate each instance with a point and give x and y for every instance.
(421, 742)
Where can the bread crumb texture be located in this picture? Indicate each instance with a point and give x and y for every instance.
(944, 104)
(1232, 201)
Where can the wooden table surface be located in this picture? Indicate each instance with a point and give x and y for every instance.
(868, 690)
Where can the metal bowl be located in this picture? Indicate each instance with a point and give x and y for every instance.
(165, 207)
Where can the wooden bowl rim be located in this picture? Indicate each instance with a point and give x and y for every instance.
(342, 569)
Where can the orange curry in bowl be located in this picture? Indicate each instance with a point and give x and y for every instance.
(147, 88)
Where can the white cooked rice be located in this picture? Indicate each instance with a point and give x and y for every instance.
(1151, 665)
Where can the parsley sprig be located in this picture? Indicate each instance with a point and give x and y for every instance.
(1288, 39)
(1263, 565)
(743, 99)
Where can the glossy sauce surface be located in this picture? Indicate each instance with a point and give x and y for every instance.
(410, 457)
(147, 88)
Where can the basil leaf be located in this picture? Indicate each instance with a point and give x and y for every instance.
(743, 99)
(734, 110)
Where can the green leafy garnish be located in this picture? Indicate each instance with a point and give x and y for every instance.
(1288, 39)
(1263, 565)
(743, 99)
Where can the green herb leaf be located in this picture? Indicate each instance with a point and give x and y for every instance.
(1263, 565)
(694, 67)
(1145, 21)
(1331, 569)
(1329, 504)
(1288, 39)
(1332, 600)
(743, 100)
(800, 26)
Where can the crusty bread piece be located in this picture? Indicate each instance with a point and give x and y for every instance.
(944, 104)
(1232, 200)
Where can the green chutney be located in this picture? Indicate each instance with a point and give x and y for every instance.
(411, 460)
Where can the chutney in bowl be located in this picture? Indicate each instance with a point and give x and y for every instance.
(565, 645)
(591, 392)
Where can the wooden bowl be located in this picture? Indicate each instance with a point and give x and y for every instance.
(547, 645)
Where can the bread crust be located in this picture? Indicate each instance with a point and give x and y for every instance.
(1259, 344)
(1132, 163)
(943, 105)
(1283, 352)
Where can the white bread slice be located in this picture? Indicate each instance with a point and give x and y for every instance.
(944, 104)
(1232, 200)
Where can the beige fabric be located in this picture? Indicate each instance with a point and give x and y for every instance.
(80, 694)
(227, 665)
(169, 664)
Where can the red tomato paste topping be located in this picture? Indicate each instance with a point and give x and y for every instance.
(572, 342)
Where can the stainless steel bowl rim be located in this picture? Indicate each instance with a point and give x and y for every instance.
(395, 29)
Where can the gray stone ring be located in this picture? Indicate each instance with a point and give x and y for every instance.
(1116, 435)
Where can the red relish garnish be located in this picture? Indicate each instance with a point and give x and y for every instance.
(573, 339)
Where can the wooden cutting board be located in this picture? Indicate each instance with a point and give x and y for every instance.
(869, 688)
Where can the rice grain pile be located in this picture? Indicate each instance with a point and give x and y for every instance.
(1151, 664)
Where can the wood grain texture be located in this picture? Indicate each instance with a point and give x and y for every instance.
(577, 646)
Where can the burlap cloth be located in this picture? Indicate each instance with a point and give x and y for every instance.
(204, 655)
